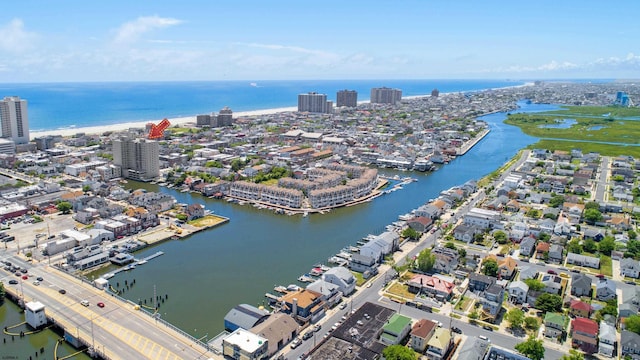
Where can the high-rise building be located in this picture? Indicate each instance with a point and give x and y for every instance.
(139, 158)
(348, 98)
(315, 103)
(14, 120)
(385, 95)
(225, 117)
(435, 93)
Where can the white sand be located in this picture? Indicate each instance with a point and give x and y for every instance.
(141, 124)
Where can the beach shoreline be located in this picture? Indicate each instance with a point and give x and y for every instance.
(100, 129)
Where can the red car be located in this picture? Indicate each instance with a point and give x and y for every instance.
(552, 272)
(25, 277)
(101, 304)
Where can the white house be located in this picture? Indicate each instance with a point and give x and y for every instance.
(342, 277)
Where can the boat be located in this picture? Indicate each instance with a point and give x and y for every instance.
(354, 249)
(305, 214)
(306, 278)
(325, 268)
(141, 262)
(405, 217)
(344, 255)
(293, 287)
(280, 289)
(335, 260)
(316, 272)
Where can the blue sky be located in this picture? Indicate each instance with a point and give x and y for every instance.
(268, 39)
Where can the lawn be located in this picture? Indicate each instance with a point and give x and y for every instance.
(606, 266)
(464, 304)
(359, 278)
(209, 220)
(400, 291)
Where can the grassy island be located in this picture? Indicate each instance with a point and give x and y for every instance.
(608, 130)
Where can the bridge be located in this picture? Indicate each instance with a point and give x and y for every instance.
(118, 330)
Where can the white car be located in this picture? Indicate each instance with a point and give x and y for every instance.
(295, 343)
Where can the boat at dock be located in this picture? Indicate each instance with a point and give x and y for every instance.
(354, 249)
(344, 255)
(306, 278)
(280, 289)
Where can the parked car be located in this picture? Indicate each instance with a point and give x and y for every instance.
(456, 330)
(39, 278)
(36, 283)
(316, 328)
(13, 281)
(552, 272)
(484, 338)
(295, 343)
(487, 327)
(307, 335)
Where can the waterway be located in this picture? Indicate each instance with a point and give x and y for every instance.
(210, 272)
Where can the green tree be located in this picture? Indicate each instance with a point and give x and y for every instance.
(410, 233)
(556, 201)
(607, 245)
(590, 246)
(632, 234)
(425, 260)
(490, 267)
(534, 284)
(544, 237)
(549, 302)
(531, 323)
(531, 348)
(592, 216)
(450, 245)
(592, 205)
(64, 207)
(574, 246)
(515, 317)
(632, 323)
(398, 352)
(573, 355)
(86, 188)
(462, 252)
(500, 236)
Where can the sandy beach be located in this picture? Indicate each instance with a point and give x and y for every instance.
(92, 130)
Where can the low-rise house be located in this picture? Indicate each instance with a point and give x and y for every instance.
(583, 260)
(244, 316)
(483, 218)
(439, 344)
(554, 324)
(527, 246)
(580, 285)
(244, 345)
(542, 250)
(630, 267)
(584, 335)
(466, 233)
(432, 286)
(446, 259)
(480, 282)
(279, 329)
(528, 272)
(507, 267)
(552, 284)
(473, 348)
(630, 344)
(630, 302)
(395, 330)
(608, 339)
(420, 223)
(306, 306)
(555, 253)
(579, 308)
(605, 290)
(331, 294)
(517, 292)
(421, 333)
(491, 301)
(366, 265)
(341, 277)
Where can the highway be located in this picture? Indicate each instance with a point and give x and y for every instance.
(116, 331)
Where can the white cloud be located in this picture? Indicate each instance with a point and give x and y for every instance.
(14, 38)
(131, 31)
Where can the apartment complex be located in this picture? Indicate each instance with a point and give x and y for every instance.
(348, 98)
(223, 118)
(138, 158)
(314, 103)
(14, 120)
(385, 95)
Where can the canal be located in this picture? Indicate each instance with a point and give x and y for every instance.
(207, 274)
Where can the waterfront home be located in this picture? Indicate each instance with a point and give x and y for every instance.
(578, 308)
(421, 332)
(244, 316)
(194, 211)
(381, 245)
(584, 335)
(430, 285)
(554, 324)
(607, 339)
(279, 329)
(581, 284)
(439, 344)
(630, 267)
(429, 211)
(605, 289)
(517, 291)
(331, 294)
(306, 306)
(420, 223)
(527, 245)
(395, 330)
(583, 260)
(341, 277)
(244, 345)
(630, 344)
(366, 265)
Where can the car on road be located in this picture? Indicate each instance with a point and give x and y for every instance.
(630, 282)
(316, 328)
(25, 277)
(295, 343)
(100, 304)
(13, 282)
(39, 278)
(62, 291)
(369, 284)
(484, 338)
(307, 335)
(84, 302)
(487, 327)
(23, 270)
(456, 330)
(343, 306)
(36, 283)
(552, 272)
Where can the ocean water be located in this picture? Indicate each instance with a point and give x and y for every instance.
(63, 105)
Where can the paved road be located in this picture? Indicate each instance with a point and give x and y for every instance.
(118, 330)
(601, 183)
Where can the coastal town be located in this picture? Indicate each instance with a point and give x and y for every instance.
(539, 257)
